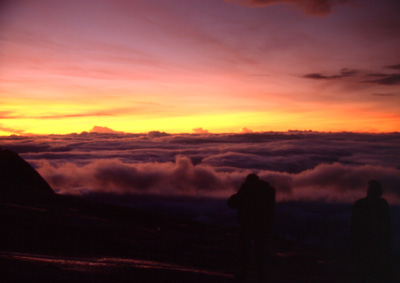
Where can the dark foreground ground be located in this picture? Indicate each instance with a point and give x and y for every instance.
(65, 239)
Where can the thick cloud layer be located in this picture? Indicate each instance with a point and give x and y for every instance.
(332, 182)
(170, 178)
(300, 165)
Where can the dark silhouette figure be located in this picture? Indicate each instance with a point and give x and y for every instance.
(371, 233)
(255, 203)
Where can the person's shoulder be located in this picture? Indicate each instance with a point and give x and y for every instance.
(370, 202)
(267, 186)
(267, 191)
(383, 202)
(264, 184)
(360, 202)
(233, 201)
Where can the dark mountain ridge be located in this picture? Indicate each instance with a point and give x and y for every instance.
(18, 177)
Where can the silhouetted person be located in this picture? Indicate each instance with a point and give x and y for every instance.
(255, 202)
(371, 233)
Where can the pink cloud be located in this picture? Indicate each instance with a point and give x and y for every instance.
(327, 182)
(344, 182)
(103, 130)
(200, 131)
(246, 131)
(171, 178)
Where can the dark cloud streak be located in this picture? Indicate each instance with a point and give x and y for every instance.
(310, 7)
(377, 78)
(385, 79)
(344, 73)
(382, 94)
(396, 67)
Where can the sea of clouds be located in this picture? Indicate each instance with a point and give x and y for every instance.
(317, 176)
(307, 166)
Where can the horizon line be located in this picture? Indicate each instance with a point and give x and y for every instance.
(194, 133)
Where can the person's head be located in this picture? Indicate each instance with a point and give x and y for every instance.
(251, 178)
(374, 189)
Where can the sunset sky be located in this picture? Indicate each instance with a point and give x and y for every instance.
(199, 65)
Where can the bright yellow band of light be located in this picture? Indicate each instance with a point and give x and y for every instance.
(214, 122)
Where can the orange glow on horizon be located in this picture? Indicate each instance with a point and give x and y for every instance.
(213, 123)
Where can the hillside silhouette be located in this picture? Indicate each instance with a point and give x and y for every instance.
(19, 178)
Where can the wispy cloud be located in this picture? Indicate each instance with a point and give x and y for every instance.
(359, 76)
(11, 130)
(384, 79)
(396, 67)
(310, 7)
(383, 94)
(344, 73)
(15, 115)
(6, 114)
(143, 108)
